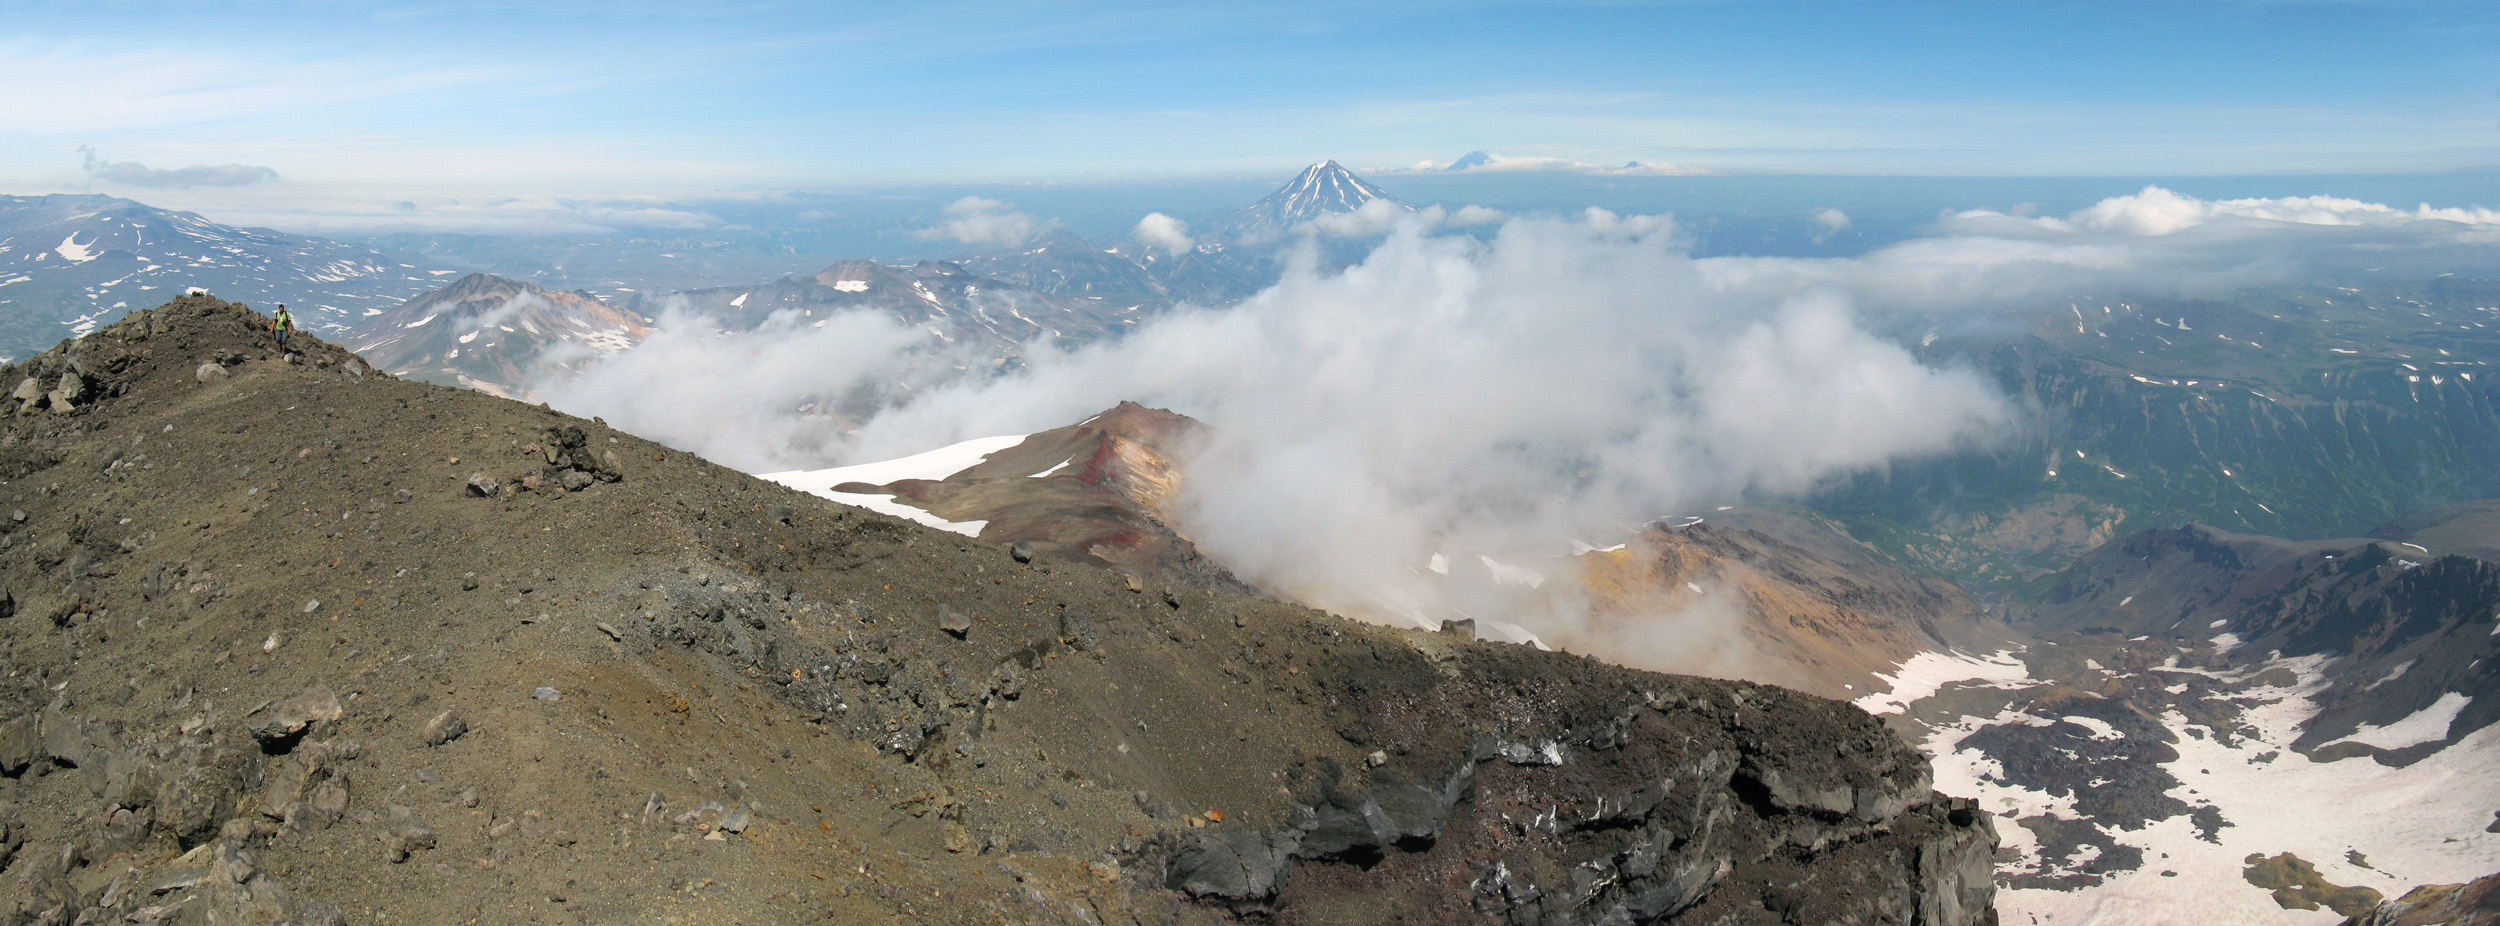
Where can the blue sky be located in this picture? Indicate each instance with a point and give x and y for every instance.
(366, 100)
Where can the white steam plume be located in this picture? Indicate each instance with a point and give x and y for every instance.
(1568, 378)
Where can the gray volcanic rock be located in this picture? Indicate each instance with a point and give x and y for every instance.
(762, 719)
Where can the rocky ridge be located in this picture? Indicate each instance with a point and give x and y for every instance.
(292, 641)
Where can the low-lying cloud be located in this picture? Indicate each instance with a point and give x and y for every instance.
(1827, 223)
(2155, 242)
(980, 220)
(1378, 217)
(1569, 378)
(1163, 231)
(1566, 379)
(133, 173)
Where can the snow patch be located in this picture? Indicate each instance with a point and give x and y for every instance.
(2101, 730)
(1507, 574)
(70, 250)
(935, 464)
(1927, 673)
(2428, 725)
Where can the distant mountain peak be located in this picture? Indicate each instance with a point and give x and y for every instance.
(493, 333)
(1325, 188)
(1470, 159)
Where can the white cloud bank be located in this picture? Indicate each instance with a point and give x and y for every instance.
(2157, 211)
(2156, 241)
(1567, 378)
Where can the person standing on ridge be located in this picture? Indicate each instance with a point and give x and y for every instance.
(281, 325)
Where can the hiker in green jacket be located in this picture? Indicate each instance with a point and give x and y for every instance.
(281, 325)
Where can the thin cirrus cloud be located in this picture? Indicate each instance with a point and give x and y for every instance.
(120, 90)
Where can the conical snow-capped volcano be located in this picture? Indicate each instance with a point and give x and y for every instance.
(1325, 188)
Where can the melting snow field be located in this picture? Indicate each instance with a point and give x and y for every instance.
(2426, 725)
(70, 250)
(935, 464)
(1927, 673)
(2422, 824)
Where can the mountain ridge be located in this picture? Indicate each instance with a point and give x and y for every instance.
(70, 263)
(295, 640)
(495, 335)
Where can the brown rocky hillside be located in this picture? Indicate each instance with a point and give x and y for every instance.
(293, 641)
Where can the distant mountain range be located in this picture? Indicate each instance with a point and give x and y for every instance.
(69, 263)
(1234, 256)
(2289, 411)
(493, 334)
(958, 303)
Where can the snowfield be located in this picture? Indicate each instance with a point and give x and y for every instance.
(2360, 823)
(935, 464)
(1927, 673)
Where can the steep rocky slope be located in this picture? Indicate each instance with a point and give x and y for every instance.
(1822, 616)
(296, 641)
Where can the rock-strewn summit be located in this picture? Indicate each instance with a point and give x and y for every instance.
(295, 641)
